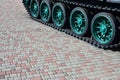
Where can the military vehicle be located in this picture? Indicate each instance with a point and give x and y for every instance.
(94, 21)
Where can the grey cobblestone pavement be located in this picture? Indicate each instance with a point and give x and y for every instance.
(30, 50)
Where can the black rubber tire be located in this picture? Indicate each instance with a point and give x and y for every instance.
(63, 7)
(112, 20)
(38, 15)
(86, 15)
(27, 4)
(49, 4)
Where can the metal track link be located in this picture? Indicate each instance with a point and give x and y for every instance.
(69, 32)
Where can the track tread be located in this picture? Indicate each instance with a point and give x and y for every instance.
(69, 32)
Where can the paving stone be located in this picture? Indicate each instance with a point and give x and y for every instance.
(30, 50)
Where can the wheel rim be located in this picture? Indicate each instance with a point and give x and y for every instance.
(45, 12)
(78, 22)
(102, 30)
(58, 16)
(34, 8)
(26, 2)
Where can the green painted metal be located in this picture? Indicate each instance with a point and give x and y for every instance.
(78, 21)
(26, 2)
(45, 11)
(102, 30)
(58, 16)
(34, 10)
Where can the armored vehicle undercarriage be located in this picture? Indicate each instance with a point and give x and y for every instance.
(94, 21)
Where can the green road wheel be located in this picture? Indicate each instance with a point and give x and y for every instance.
(26, 2)
(103, 28)
(34, 8)
(45, 11)
(79, 21)
(59, 15)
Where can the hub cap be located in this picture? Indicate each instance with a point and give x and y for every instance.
(58, 16)
(102, 30)
(45, 13)
(34, 8)
(78, 22)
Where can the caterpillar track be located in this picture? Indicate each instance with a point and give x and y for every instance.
(92, 9)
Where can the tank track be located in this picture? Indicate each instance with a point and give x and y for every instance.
(69, 32)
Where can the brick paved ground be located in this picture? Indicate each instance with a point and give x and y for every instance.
(30, 50)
